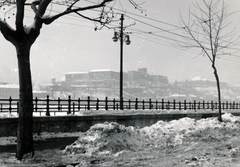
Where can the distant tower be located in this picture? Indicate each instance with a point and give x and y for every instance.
(143, 70)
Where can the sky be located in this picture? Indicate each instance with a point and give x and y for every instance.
(70, 44)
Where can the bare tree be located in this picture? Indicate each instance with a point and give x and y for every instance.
(22, 37)
(205, 30)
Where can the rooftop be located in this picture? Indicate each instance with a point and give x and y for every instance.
(10, 86)
(199, 78)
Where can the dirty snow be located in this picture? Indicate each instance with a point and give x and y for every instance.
(112, 138)
(183, 142)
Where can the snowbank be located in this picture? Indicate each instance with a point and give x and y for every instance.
(107, 138)
(113, 139)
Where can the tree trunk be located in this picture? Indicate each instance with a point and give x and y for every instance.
(219, 94)
(24, 132)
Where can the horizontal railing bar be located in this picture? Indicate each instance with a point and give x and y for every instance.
(72, 105)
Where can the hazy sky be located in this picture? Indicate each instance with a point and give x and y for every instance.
(70, 44)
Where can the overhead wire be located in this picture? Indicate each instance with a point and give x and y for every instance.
(127, 12)
(167, 31)
(150, 33)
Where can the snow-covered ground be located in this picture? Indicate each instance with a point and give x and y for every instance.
(113, 139)
(184, 142)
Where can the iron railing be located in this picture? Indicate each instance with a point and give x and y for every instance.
(72, 105)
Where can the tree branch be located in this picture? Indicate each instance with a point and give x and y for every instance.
(190, 32)
(42, 7)
(88, 18)
(34, 5)
(50, 19)
(7, 32)
(20, 15)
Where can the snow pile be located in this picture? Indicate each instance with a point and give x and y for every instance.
(107, 138)
(185, 130)
(113, 138)
(212, 130)
(166, 134)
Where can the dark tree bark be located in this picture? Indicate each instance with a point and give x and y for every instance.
(24, 132)
(23, 41)
(219, 93)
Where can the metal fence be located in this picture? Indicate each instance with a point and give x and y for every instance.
(71, 105)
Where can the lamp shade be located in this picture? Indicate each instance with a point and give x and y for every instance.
(128, 40)
(115, 38)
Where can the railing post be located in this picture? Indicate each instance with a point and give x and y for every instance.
(79, 104)
(180, 105)
(47, 107)
(59, 104)
(190, 105)
(114, 104)
(69, 105)
(226, 104)
(185, 104)
(203, 104)
(106, 103)
(36, 104)
(97, 104)
(212, 105)
(174, 104)
(136, 104)
(143, 107)
(194, 104)
(199, 104)
(73, 108)
(156, 105)
(88, 103)
(162, 104)
(10, 104)
(129, 104)
(150, 104)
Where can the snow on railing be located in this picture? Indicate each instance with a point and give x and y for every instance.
(71, 105)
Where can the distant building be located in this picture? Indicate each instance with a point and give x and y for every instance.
(93, 79)
(209, 88)
(96, 79)
(76, 77)
(199, 81)
(7, 90)
(141, 78)
(12, 90)
(40, 94)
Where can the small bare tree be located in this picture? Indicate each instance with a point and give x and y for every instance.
(22, 37)
(205, 30)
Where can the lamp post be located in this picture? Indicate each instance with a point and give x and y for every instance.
(123, 37)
